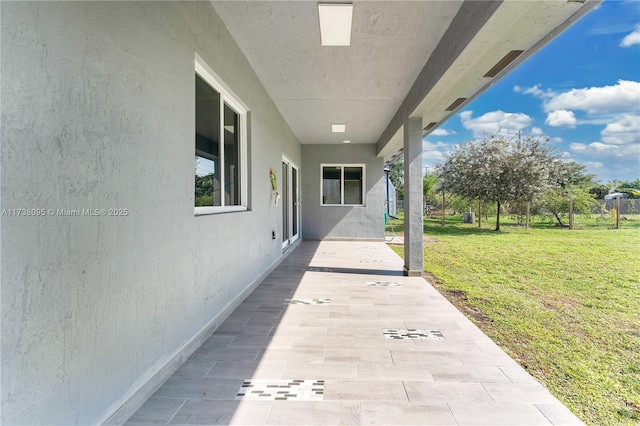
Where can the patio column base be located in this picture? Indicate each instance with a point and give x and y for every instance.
(412, 272)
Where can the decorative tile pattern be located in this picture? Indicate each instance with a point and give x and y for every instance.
(412, 333)
(307, 301)
(281, 390)
(383, 283)
(317, 269)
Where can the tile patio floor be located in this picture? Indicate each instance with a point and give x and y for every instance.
(348, 372)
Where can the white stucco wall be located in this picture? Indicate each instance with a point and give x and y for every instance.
(348, 222)
(98, 112)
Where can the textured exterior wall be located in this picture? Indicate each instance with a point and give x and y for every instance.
(337, 221)
(98, 112)
(413, 198)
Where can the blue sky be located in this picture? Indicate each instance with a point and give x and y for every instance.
(582, 91)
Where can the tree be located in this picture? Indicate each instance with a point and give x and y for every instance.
(429, 183)
(635, 184)
(570, 181)
(204, 187)
(396, 174)
(631, 192)
(499, 170)
(556, 202)
(631, 188)
(568, 174)
(599, 191)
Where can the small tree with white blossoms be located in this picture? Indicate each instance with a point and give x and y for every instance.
(500, 170)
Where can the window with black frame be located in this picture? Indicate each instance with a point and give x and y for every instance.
(343, 185)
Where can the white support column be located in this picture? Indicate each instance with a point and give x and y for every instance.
(413, 223)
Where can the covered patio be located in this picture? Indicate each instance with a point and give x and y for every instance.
(163, 160)
(337, 335)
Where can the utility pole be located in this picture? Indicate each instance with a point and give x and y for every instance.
(519, 133)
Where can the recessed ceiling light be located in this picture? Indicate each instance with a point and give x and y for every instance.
(335, 23)
(338, 128)
(346, 141)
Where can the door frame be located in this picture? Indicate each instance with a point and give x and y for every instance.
(290, 201)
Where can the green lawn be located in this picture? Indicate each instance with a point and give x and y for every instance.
(565, 304)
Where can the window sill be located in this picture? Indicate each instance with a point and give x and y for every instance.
(202, 211)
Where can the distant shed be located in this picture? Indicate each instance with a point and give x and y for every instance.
(615, 195)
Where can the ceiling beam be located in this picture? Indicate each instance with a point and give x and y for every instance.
(582, 9)
(469, 20)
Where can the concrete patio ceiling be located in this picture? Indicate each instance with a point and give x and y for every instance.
(406, 59)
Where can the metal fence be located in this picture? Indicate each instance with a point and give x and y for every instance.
(599, 206)
(626, 206)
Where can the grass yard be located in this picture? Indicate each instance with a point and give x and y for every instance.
(564, 304)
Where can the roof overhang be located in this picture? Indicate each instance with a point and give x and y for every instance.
(514, 32)
(406, 59)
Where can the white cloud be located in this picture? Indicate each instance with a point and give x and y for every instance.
(613, 25)
(624, 131)
(557, 139)
(443, 132)
(566, 157)
(594, 166)
(428, 146)
(465, 115)
(599, 119)
(494, 121)
(537, 131)
(432, 157)
(624, 96)
(561, 118)
(434, 152)
(600, 150)
(632, 38)
(535, 91)
(593, 146)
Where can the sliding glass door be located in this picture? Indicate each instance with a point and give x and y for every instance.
(290, 203)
